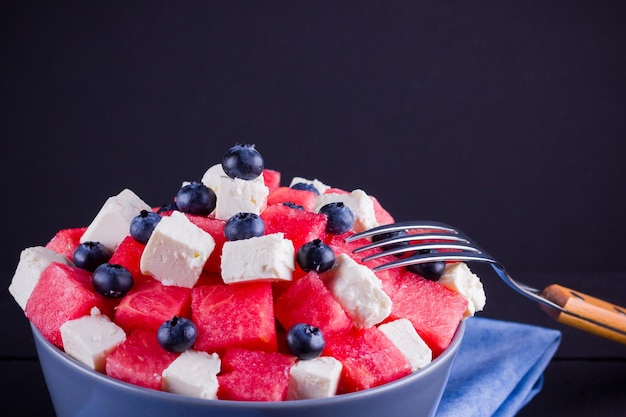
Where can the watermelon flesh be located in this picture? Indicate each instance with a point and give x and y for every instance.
(303, 198)
(66, 241)
(128, 254)
(299, 226)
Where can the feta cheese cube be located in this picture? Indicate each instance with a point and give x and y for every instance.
(358, 201)
(89, 339)
(112, 223)
(319, 186)
(359, 291)
(176, 251)
(211, 177)
(193, 373)
(403, 335)
(458, 277)
(314, 378)
(264, 257)
(235, 195)
(32, 263)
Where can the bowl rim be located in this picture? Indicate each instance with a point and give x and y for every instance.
(79, 367)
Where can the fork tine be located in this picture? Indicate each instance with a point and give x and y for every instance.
(419, 247)
(395, 227)
(462, 256)
(410, 238)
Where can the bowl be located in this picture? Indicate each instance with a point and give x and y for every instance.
(77, 390)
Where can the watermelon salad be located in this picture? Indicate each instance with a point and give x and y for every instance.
(241, 288)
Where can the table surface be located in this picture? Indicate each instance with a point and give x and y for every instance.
(586, 377)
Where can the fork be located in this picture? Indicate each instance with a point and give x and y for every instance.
(428, 241)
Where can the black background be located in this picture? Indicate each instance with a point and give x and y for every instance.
(505, 119)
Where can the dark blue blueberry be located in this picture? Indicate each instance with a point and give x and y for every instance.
(292, 205)
(89, 255)
(244, 226)
(305, 341)
(429, 270)
(305, 187)
(389, 235)
(243, 161)
(315, 256)
(196, 198)
(167, 207)
(142, 225)
(112, 280)
(340, 217)
(177, 335)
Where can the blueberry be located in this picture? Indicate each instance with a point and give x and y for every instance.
(305, 341)
(429, 270)
(177, 335)
(244, 226)
(305, 187)
(167, 207)
(389, 235)
(89, 255)
(315, 256)
(340, 217)
(112, 280)
(243, 161)
(196, 198)
(292, 205)
(142, 225)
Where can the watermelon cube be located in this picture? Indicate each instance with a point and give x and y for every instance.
(307, 300)
(382, 215)
(238, 315)
(149, 303)
(64, 292)
(368, 357)
(252, 375)
(139, 360)
(214, 227)
(302, 198)
(271, 178)
(66, 241)
(128, 254)
(299, 226)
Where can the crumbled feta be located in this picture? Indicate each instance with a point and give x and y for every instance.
(176, 251)
(358, 201)
(211, 177)
(89, 339)
(359, 291)
(319, 186)
(32, 263)
(193, 373)
(235, 195)
(264, 257)
(111, 224)
(314, 378)
(458, 277)
(403, 335)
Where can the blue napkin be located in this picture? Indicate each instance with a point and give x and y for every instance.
(498, 369)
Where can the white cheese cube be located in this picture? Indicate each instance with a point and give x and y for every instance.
(235, 195)
(458, 277)
(211, 177)
(403, 335)
(193, 373)
(358, 201)
(319, 186)
(359, 291)
(89, 339)
(314, 378)
(258, 258)
(32, 263)
(176, 251)
(112, 223)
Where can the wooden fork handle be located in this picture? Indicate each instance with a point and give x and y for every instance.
(587, 313)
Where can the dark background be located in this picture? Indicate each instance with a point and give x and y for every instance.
(505, 119)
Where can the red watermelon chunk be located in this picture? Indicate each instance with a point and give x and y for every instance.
(299, 226)
(139, 360)
(66, 241)
(128, 254)
(307, 300)
(238, 315)
(251, 375)
(434, 310)
(271, 178)
(369, 359)
(214, 227)
(382, 215)
(149, 303)
(63, 293)
(302, 198)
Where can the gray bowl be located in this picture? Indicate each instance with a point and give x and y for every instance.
(79, 391)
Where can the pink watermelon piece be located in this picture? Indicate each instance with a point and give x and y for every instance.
(239, 315)
(271, 178)
(369, 359)
(214, 227)
(382, 215)
(128, 254)
(66, 241)
(299, 226)
(302, 198)
(252, 375)
(139, 360)
(307, 300)
(63, 293)
(149, 303)
(434, 310)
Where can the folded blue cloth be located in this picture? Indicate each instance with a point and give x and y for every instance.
(498, 369)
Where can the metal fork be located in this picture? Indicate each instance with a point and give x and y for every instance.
(427, 241)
